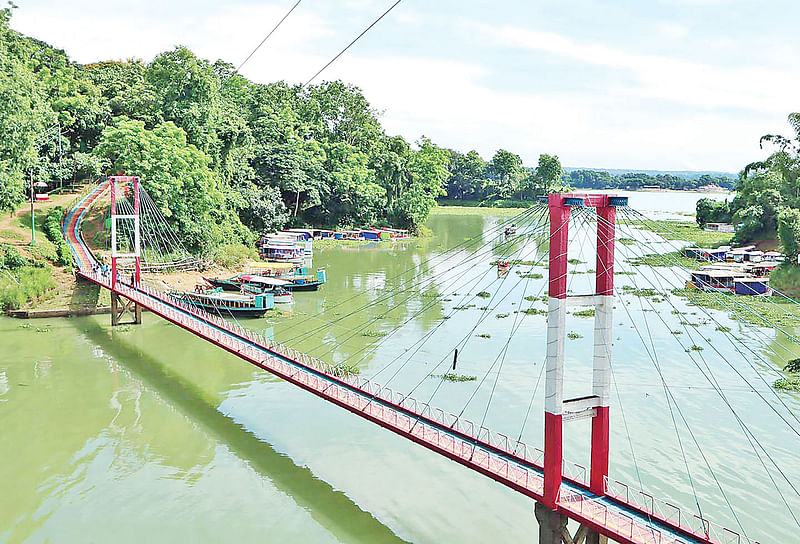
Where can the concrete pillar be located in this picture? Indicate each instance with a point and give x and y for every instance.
(551, 524)
(114, 309)
(137, 313)
(595, 538)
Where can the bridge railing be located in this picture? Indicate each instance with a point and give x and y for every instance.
(491, 451)
(692, 523)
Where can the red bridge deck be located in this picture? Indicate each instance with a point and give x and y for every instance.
(627, 519)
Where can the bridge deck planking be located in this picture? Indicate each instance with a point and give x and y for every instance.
(615, 518)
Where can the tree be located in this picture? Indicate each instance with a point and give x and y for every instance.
(708, 210)
(544, 179)
(24, 115)
(506, 171)
(428, 169)
(177, 176)
(789, 232)
(467, 177)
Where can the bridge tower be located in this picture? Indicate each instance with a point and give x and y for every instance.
(120, 305)
(552, 524)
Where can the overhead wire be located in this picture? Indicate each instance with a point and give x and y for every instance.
(712, 380)
(253, 52)
(348, 46)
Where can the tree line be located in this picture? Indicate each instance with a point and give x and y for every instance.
(767, 201)
(226, 158)
(600, 179)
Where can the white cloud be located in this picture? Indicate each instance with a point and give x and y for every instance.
(674, 114)
(672, 31)
(665, 78)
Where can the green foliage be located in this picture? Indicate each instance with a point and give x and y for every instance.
(793, 366)
(755, 310)
(453, 377)
(10, 258)
(52, 229)
(584, 313)
(574, 335)
(682, 230)
(233, 255)
(483, 294)
(708, 210)
(601, 179)
(789, 232)
(787, 384)
(24, 284)
(534, 311)
(484, 335)
(786, 278)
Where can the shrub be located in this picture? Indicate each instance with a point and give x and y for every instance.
(234, 255)
(26, 284)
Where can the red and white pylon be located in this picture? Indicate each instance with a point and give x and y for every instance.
(596, 404)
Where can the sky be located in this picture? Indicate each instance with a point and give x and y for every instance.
(656, 84)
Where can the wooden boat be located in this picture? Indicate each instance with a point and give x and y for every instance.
(218, 302)
(296, 280)
(262, 284)
(282, 251)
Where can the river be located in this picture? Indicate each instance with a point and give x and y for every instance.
(146, 433)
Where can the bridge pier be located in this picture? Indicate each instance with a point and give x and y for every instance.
(553, 529)
(120, 306)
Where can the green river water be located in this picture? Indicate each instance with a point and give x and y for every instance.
(149, 434)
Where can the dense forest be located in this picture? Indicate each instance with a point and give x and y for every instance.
(226, 158)
(767, 202)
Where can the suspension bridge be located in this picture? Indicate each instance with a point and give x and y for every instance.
(602, 508)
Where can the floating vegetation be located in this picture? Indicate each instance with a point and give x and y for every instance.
(484, 335)
(373, 334)
(694, 347)
(676, 332)
(793, 366)
(677, 312)
(484, 294)
(584, 313)
(672, 258)
(483, 308)
(787, 384)
(531, 276)
(534, 311)
(624, 273)
(350, 368)
(517, 262)
(574, 335)
(626, 241)
(26, 326)
(531, 298)
(684, 230)
(453, 377)
(502, 316)
(465, 307)
(769, 311)
(45, 329)
(646, 292)
(574, 261)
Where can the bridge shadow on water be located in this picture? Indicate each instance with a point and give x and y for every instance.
(332, 509)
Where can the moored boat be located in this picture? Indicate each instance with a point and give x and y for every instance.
(262, 284)
(218, 302)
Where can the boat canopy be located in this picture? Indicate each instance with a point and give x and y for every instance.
(264, 280)
(258, 265)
